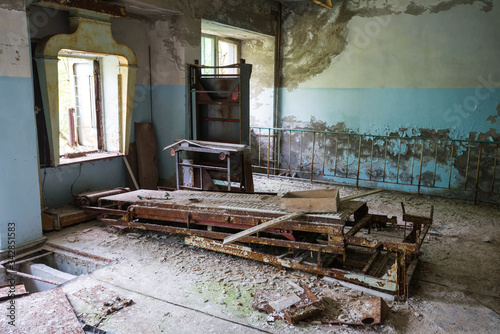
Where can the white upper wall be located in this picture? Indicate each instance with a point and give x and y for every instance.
(449, 49)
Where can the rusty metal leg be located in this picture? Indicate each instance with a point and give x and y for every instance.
(177, 168)
(401, 275)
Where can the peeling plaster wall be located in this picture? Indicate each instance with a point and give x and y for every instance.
(401, 68)
(19, 180)
(380, 70)
(261, 54)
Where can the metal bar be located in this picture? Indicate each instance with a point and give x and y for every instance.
(268, 151)
(477, 173)
(29, 259)
(421, 166)
(385, 158)
(402, 290)
(371, 161)
(312, 155)
(228, 158)
(36, 278)
(300, 165)
(278, 151)
(467, 167)
(451, 166)
(177, 169)
(258, 141)
(290, 153)
(494, 170)
(399, 161)
(359, 162)
(435, 164)
(347, 156)
(246, 252)
(324, 153)
(336, 154)
(413, 159)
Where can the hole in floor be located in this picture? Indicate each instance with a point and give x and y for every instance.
(50, 265)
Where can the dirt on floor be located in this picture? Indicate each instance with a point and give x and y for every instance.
(182, 289)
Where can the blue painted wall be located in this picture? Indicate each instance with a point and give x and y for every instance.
(19, 181)
(169, 119)
(382, 111)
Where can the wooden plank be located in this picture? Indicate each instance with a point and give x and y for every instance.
(146, 155)
(359, 225)
(311, 201)
(266, 225)
(366, 193)
(132, 165)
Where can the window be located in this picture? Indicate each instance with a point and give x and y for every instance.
(113, 68)
(217, 51)
(88, 104)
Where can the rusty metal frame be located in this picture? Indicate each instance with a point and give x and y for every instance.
(325, 239)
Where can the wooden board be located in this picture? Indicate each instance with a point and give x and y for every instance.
(261, 227)
(65, 216)
(311, 201)
(133, 163)
(363, 194)
(146, 155)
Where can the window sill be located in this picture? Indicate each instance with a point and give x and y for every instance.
(89, 157)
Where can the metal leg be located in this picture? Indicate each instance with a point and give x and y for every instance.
(228, 173)
(177, 168)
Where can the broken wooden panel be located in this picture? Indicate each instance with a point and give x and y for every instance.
(146, 155)
(43, 312)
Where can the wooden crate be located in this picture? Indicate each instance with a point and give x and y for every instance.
(327, 200)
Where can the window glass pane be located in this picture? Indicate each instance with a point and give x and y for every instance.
(207, 53)
(227, 55)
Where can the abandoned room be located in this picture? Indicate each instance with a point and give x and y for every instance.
(275, 166)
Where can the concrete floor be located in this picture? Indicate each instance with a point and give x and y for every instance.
(181, 289)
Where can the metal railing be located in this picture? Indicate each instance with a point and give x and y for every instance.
(457, 168)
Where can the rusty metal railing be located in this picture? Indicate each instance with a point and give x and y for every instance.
(457, 168)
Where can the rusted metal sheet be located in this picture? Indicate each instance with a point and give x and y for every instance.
(103, 299)
(92, 198)
(292, 308)
(219, 235)
(92, 5)
(247, 252)
(366, 312)
(10, 291)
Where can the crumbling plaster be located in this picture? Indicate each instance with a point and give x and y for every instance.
(325, 32)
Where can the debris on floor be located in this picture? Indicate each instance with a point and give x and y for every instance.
(103, 302)
(40, 313)
(307, 306)
(356, 312)
(292, 308)
(103, 299)
(8, 291)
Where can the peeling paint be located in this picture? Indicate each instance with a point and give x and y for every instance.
(314, 37)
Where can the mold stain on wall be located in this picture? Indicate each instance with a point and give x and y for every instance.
(314, 36)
